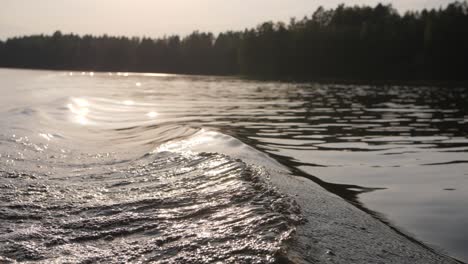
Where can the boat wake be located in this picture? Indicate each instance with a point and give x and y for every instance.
(169, 206)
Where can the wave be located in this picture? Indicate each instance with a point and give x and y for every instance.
(170, 206)
(135, 168)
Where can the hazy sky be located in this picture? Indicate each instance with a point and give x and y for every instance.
(155, 18)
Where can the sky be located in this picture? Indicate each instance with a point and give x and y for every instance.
(156, 18)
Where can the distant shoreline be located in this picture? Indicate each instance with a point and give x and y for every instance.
(334, 81)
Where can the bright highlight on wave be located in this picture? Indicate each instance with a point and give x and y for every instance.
(80, 110)
(128, 102)
(203, 137)
(104, 112)
(152, 114)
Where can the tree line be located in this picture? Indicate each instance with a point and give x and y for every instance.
(347, 42)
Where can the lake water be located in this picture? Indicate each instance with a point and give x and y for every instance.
(90, 158)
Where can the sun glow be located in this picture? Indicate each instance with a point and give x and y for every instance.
(79, 109)
(152, 114)
(128, 102)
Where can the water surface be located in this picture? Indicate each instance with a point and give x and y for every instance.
(124, 157)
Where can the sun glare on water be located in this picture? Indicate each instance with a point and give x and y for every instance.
(152, 114)
(79, 107)
(128, 102)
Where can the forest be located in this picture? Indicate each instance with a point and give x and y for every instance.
(344, 43)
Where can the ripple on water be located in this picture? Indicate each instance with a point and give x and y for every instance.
(168, 208)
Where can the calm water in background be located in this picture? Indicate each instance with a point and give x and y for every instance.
(397, 152)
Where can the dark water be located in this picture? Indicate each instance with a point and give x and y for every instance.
(142, 167)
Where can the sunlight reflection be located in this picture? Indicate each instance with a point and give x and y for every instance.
(152, 114)
(128, 102)
(79, 107)
(138, 84)
(46, 136)
(202, 137)
(156, 74)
